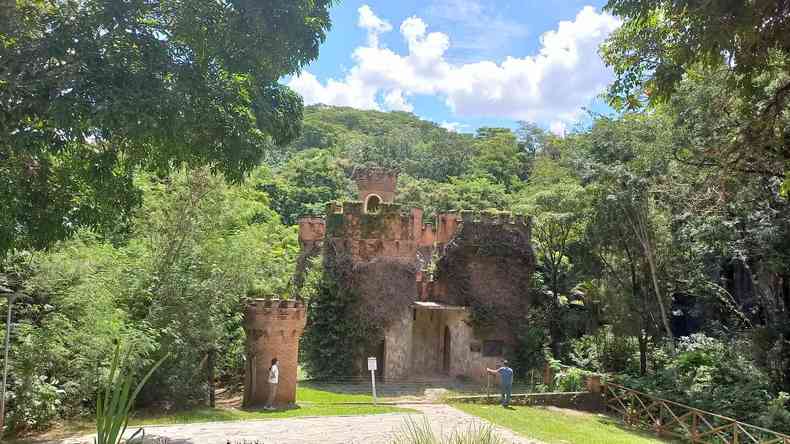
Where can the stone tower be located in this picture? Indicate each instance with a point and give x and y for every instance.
(273, 330)
(376, 186)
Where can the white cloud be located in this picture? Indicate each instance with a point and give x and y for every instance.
(395, 101)
(550, 86)
(453, 126)
(484, 30)
(373, 24)
(559, 128)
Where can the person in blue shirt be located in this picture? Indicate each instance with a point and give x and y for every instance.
(506, 381)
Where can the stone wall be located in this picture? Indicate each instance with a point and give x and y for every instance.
(273, 329)
(429, 327)
(378, 181)
(487, 248)
(398, 340)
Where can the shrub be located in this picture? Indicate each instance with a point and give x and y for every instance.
(36, 402)
(717, 376)
(606, 351)
(569, 379)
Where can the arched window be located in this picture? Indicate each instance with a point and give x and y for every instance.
(372, 204)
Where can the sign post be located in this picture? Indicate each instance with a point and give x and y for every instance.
(372, 366)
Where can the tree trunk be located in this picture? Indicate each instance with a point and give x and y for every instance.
(642, 353)
(211, 388)
(654, 277)
(639, 225)
(555, 315)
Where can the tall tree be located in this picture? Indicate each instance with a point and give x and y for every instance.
(739, 48)
(92, 90)
(561, 208)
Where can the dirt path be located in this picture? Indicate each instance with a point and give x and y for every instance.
(371, 429)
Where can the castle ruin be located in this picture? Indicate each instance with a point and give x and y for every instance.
(431, 281)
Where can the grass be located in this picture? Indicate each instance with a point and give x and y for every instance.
(559, 427)
(307, 394)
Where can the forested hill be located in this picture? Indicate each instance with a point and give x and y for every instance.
(439, 169)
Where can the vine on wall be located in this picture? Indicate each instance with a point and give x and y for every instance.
(352, 305)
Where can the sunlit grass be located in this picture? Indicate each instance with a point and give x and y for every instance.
(307, 394)
(558, 427)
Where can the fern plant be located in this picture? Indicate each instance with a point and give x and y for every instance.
(115, 403)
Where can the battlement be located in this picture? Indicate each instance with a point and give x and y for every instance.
(350, 220)
(265, 316)
(447, 224)
(495, 218)
(265, 304)
(378, 183)
(311, 229)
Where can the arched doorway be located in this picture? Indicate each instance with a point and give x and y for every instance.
(446, 354)
(372, 204)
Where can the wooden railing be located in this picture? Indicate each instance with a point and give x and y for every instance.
(668, 418)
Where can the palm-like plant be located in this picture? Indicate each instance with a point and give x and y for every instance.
(113, 406)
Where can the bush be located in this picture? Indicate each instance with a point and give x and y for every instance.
(568, 379)
(36, 402)
(606, 352)
(717, 376)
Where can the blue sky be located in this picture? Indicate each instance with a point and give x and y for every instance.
(464, 63)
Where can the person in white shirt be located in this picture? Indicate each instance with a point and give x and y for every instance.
(274, 378)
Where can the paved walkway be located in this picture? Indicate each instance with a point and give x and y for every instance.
(370, 429)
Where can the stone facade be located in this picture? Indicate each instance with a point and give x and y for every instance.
(483, 259)
(273, 330)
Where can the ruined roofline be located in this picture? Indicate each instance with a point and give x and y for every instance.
(265, 303)
(473, 216)
(367, 172)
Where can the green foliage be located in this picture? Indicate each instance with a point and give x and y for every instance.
(197, 241)
(497, 157)
(606, 352)
(569, 379)
(335, 334)
(717, 376)
(660, 41)
(735, 49)
(115, 404)
(305, 184)
(96, 90)
(38, 404)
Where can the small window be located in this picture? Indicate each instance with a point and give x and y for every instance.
(493, 348)
(372, 204)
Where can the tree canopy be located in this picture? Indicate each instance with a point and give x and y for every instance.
(91, 91)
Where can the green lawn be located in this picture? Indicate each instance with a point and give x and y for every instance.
(312, 402)
(307, 394)
(558, 427)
